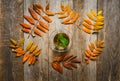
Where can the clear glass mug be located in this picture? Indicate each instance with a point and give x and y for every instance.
(52, 40)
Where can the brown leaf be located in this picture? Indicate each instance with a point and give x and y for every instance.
(57, 67)
(67, 65)
(58, 59)
(33, 14)
(67, 56)
(73, 65)
(13, 46)
(76, 61)
(47, 6)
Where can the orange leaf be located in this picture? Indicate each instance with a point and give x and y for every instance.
(25, 25)
(36, 31)
(48, 19)
(25, 30)
(29, 19)
(39, 6)
(86, 30)
(86, 25)
(41, 28)
(33, 14)
(30, 59)
(36, 9)
(26, 56)
(49, 13)
(43, 25)
(75, 17)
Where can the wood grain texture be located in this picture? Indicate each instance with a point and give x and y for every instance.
(11, 68)
(108, 66)
(38, 72)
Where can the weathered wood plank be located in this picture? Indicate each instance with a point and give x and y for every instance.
(39, 71)
(86, 72)
(57, 26)
(10, 15)
(108, 66)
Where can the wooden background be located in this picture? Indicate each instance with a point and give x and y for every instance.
(107, 68)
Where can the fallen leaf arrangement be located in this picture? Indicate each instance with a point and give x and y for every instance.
(67, 61)
(94, 22)
(30, 53)
(94, 50)
(91, 25)
(37, 23)
(68, 15)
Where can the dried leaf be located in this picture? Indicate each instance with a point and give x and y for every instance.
(47, 6)
(21, 41)
(13, 46)
(38, 53)
(39, 6)
(70, 16)
(30, 59)
(67, 56)
(33, 14)
(60, 12)
(93, 13)
(87, 25)
(46, 18)
(75, 17)
(13, 41)
(25, 58)
(49, 13)
(18, 54)
(36, 9)
(33, 48)
(67, 65)
(35, 52)
(62, 16)
(90, 16)
(86, 30)
(43, 25)
(29, 45)
(57, 67)
(87, 21)
(36, 31)
(62, 7)
(29, 19)
(33, 60)
(25, 25)
(57, 59)
(25, 30)
(67, 23)
(41, 28)
(100, 12)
